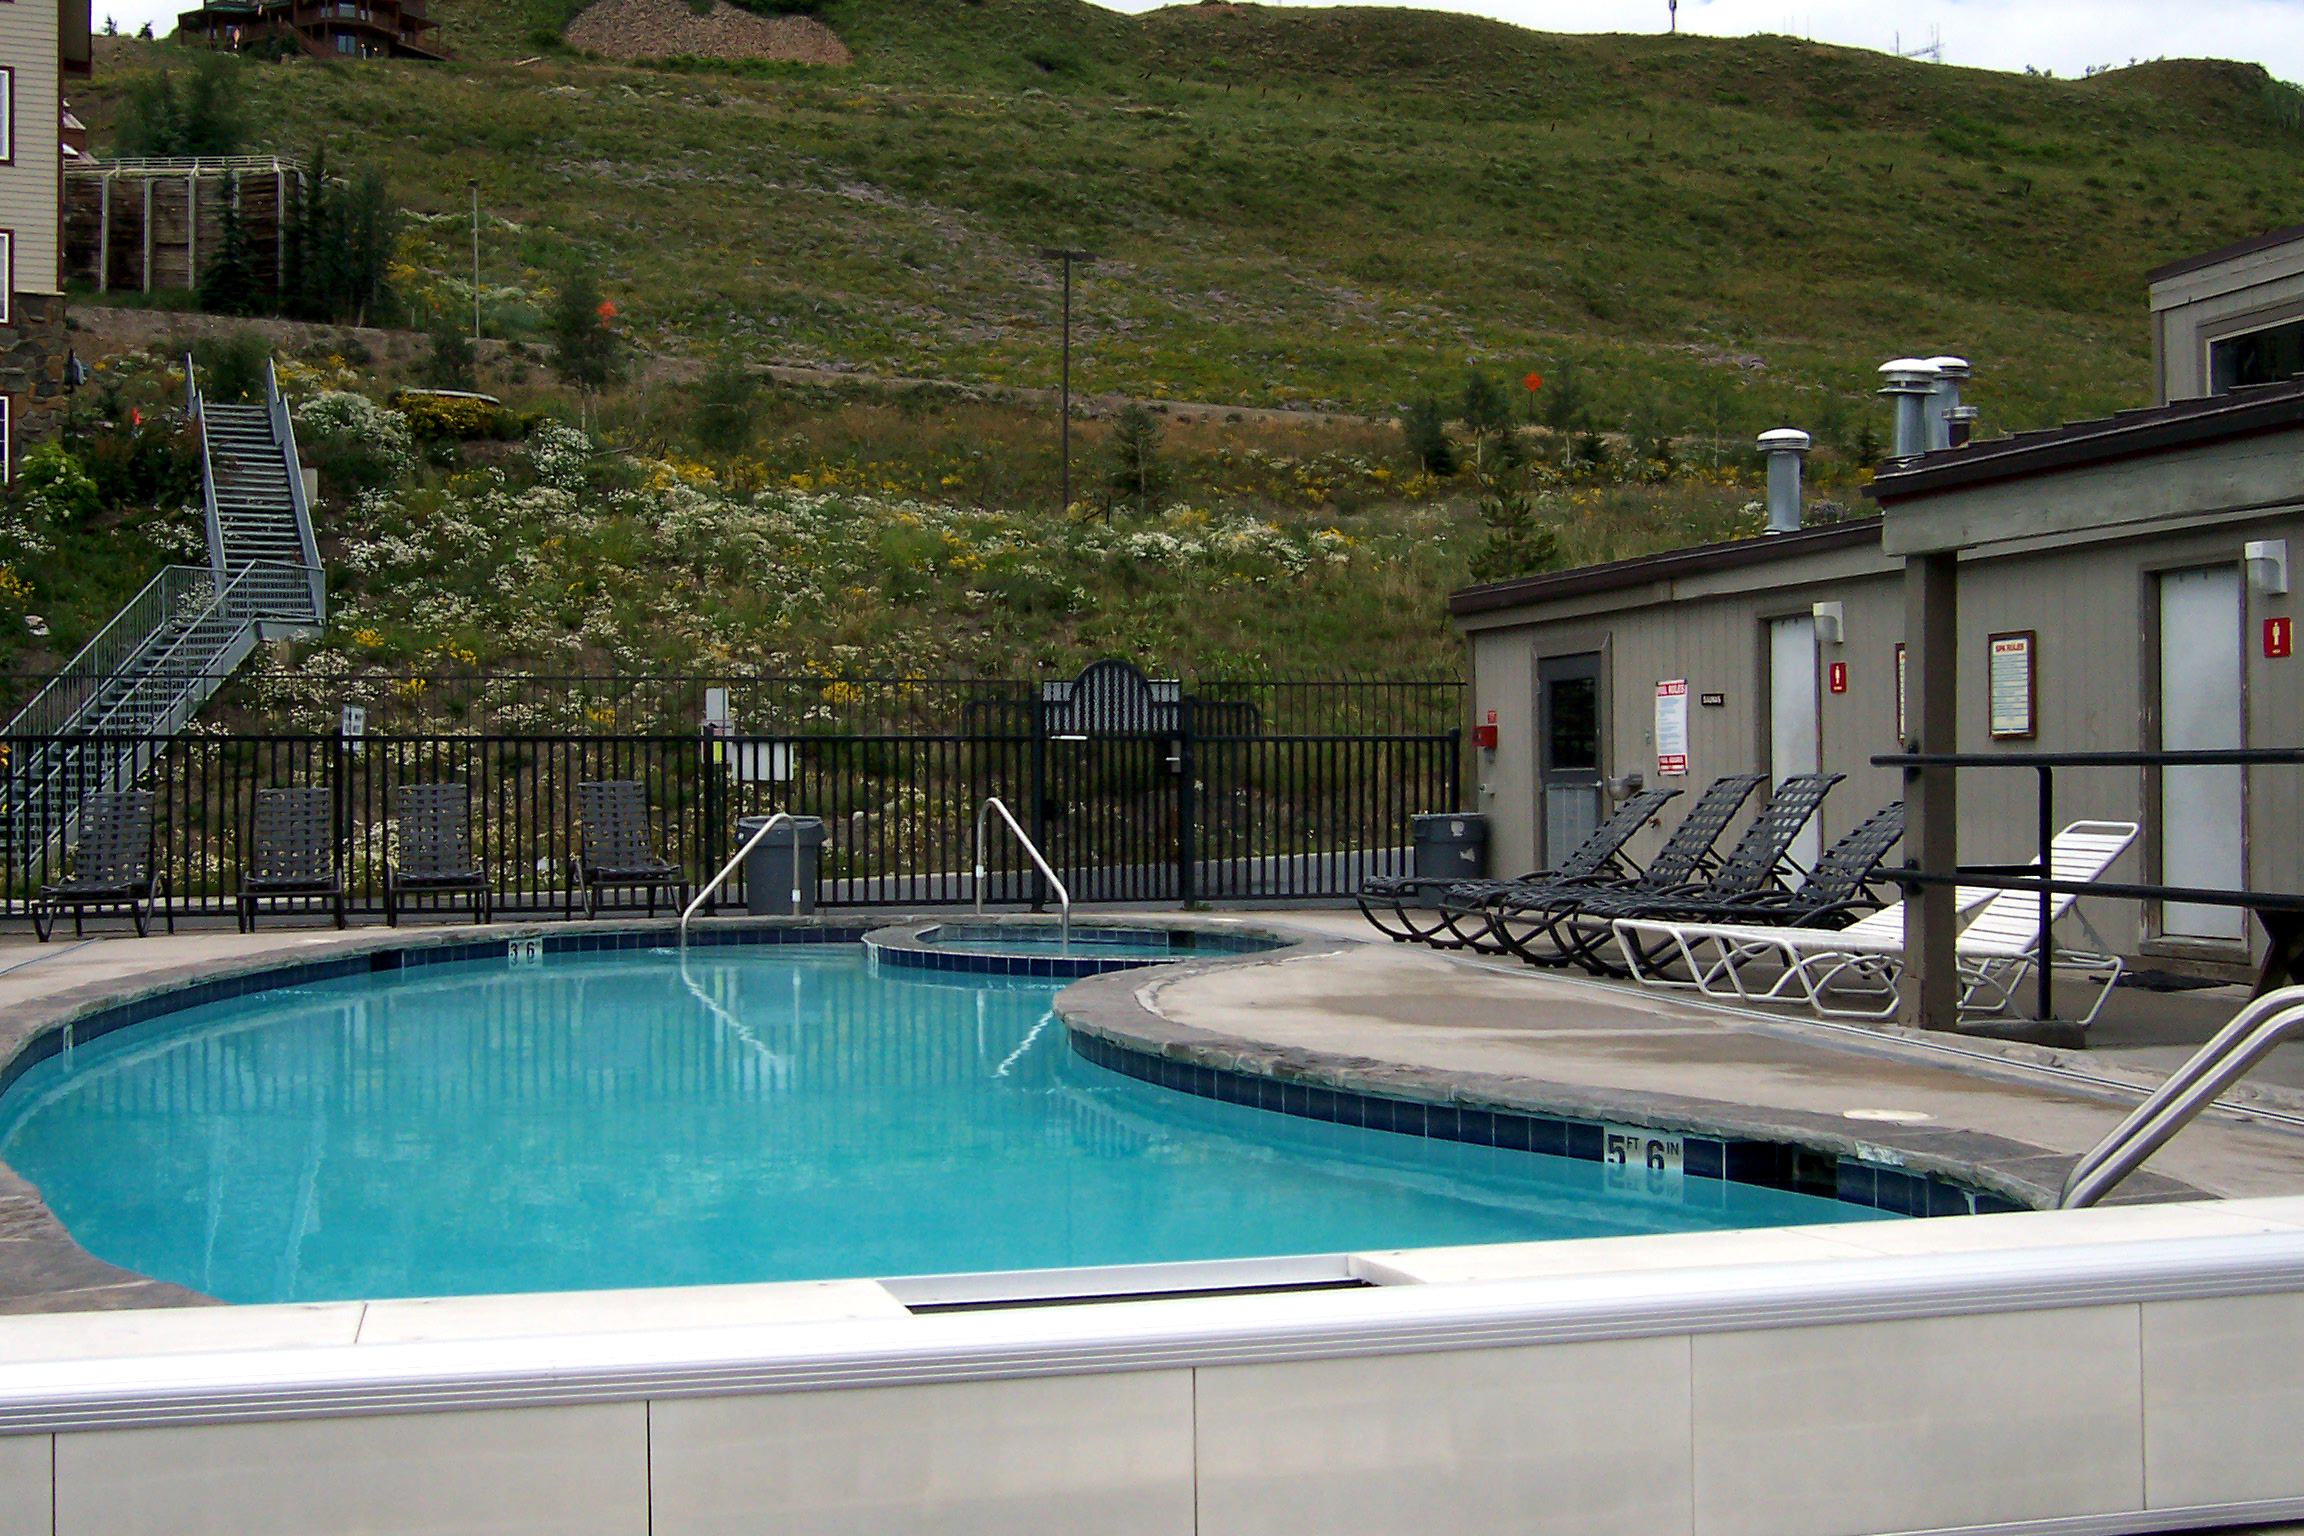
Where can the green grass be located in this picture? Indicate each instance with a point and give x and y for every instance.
(1333, 207)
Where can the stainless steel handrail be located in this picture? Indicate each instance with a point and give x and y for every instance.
(2216, 1066)
(729, 868)
(1063, 896)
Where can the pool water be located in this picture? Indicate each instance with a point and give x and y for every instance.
(771, 1113)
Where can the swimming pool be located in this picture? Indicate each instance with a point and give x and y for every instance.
(763, 1113)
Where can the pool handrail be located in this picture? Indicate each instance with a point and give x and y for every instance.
(1063, 896)
(2191, 1088)
(759, 833)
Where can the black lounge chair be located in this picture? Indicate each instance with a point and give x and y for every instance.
(1580, 930)
(112, 866)
(1598, 857)
(612, 849)
(432, 852)
(1488, 916)
(292, 852)
(1843, 887)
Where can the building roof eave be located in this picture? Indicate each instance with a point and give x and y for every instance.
(1643, 570)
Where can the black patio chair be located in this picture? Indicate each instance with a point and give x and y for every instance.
(1509, 919)
(1579, 930)
(112, 866)
(292, 851)
(1844, 886)
(1598, 857)
(432, 852)
(612, 848)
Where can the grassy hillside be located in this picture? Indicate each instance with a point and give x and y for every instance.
(1338, 207)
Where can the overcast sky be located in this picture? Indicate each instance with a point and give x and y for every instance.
(2067, 36)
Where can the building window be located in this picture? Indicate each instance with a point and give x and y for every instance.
(7, 116)
(2260, 357)
(7, 276)
(344, 43)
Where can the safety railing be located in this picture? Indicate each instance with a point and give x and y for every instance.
(1032, 851)
(2281, 913)
(2216, 1066)
(759, 836)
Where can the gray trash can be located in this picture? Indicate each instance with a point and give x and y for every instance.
(770, 875)
(1452, 847)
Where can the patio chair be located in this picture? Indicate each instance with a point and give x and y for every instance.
(293, 851)
(112, 866)
(1486, 915)
(612, 850)
(432, 852)
(1598, 857)
(1577, 925)
(1842, 888)
(1853, 973)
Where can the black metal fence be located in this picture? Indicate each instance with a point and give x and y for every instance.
(1171, 814)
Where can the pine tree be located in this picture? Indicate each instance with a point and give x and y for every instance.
(586, 351)
(1133, 467)
(452, 363)
(1424, 430)
(1516, 544)
(229, 286)
(728, 408)
(339, 245)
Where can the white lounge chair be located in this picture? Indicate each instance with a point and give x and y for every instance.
(1853, 972)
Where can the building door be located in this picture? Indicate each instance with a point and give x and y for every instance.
(2202, 810)
(1569, 753)
(1794, 733)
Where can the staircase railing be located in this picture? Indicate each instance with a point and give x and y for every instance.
(196, 408)
(2216, 1066)
(284, 433)
(52, 711)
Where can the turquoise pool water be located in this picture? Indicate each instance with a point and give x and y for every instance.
(777, 1113)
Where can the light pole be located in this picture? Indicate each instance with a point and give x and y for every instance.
(473, 186)
(1064, 471)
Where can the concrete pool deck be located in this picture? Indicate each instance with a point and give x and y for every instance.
(1395, 1021)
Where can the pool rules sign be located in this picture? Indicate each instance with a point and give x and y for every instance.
(1672, 728)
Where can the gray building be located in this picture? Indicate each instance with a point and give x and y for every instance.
(2087, 588)
(2229, 317)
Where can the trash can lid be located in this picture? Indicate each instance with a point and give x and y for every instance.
(798, 829)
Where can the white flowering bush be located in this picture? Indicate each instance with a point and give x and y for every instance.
(356, 444)
(557, 456)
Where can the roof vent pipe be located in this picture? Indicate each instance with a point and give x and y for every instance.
(1785, 447)
(1911, 383)
(1950, 372)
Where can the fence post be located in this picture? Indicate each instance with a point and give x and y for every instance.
(1455, 768)
(1039, 801)
(1187, 809)
(710, 834)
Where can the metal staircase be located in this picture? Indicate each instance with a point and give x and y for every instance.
(100, 722)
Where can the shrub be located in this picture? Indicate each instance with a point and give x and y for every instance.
(356, 444)
(1515, 543)
(559, 456)
(1424, 429)
(454, 418)
(230, 369)
(451, 363)
(205, 120)
(153, 465)
(54, 488)
(586, 350)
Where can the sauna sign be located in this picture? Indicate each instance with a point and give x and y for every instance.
(1672, 728)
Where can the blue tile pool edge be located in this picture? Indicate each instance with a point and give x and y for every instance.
(1769, 1164)
(48, 1039)
(907, 944)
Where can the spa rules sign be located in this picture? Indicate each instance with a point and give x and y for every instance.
(1672, 728)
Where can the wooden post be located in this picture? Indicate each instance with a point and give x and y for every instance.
(104, 236)
(1931, 997)
(147, 234)
(192, 227)
(279, 231)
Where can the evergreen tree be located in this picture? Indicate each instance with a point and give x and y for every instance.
(1488, 417)
(452, 363)
(1133, 466)
(728, 407)
(204, 120)
(1515, 543)
(1424, 429)
(586, 351)
(229, 286)
(339, 245)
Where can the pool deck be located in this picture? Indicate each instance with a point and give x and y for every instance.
(1404, 1022)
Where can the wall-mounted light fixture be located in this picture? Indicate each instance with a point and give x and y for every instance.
(1830, 629)
(2268, 566)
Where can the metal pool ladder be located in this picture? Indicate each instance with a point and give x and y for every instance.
(1064, 897)
(751, 843)
(2216, 1066)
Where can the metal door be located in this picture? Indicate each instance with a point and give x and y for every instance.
(2202, 810)
(1569, 750)
(1795, 736)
